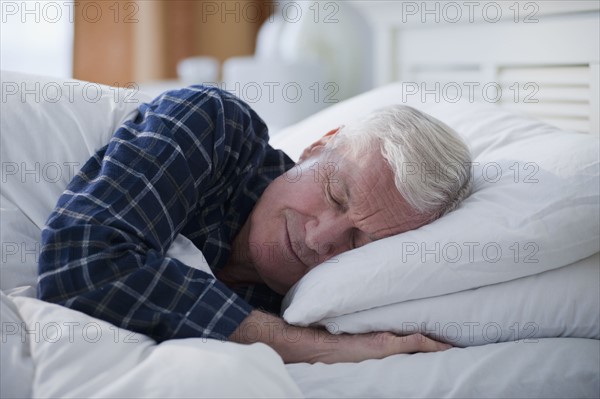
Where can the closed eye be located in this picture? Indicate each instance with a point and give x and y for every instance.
(332, 199)
(342, 207)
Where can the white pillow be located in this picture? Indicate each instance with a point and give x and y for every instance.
(20, 239)
(50, 128)
(563, 302)
(545, 217)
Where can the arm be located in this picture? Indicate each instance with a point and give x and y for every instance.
(302, 344)
(104, 245)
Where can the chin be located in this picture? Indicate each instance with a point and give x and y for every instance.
(277, 272)
(277, 286)
(271, 275)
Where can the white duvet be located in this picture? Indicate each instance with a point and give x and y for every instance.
(49, 351)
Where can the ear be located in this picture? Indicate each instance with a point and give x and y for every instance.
(318, 145)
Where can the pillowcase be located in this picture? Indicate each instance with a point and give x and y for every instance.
(534, 207)
(20, 239)
(50, 127)
(563, 302)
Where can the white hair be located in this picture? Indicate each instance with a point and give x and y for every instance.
(430, 162)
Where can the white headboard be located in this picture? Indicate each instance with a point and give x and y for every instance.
(538, 57)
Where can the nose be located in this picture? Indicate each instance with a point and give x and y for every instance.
(329, 234)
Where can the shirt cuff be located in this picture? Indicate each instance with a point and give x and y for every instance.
(216, 314)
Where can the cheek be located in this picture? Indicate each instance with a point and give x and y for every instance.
(307, 194)
(267, 216)
(302, 193)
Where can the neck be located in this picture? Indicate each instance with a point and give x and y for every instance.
(239, 269)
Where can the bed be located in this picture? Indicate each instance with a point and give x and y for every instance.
(511, 278)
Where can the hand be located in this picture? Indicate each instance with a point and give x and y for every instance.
(304, 344)
(379, 345)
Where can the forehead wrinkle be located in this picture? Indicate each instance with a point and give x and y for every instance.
(375, 193)
(394, 215)
(370, 203)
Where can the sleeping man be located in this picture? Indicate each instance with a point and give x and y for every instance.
(197, 162)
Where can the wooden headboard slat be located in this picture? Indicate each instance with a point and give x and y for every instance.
(556, 57)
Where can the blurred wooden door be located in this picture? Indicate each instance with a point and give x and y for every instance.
(121, 41)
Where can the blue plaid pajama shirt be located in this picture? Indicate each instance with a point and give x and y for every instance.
(193, 161)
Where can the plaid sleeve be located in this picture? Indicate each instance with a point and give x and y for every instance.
(104, 245)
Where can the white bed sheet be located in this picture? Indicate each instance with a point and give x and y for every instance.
(546, 368)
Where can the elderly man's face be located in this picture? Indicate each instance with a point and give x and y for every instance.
(324, 206)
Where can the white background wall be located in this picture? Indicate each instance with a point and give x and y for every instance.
(37, 37)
